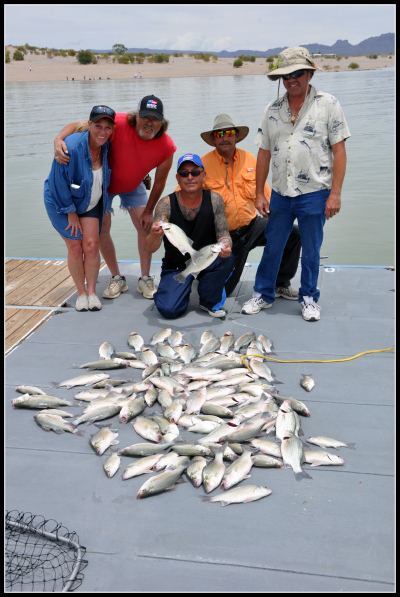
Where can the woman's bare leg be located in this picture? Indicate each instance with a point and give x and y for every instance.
(75, 263)
(91, 254)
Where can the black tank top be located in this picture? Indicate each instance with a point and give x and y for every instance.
(201, 230)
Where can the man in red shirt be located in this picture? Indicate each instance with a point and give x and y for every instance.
(138, 145)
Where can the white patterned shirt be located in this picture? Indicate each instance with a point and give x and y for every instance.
(301, 154)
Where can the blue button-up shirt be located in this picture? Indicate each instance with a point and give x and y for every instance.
(69, 187)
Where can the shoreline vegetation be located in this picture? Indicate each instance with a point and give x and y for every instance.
(44, 65)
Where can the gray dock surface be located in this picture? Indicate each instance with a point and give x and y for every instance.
(332, 533)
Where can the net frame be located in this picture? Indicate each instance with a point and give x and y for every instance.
(41, 551)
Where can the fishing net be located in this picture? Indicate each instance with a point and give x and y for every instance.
(41, 555)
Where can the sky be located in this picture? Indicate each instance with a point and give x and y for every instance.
(212, 27)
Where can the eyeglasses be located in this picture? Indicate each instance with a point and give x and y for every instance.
(185, 173)
(220, 134)
(102, 110)
(295, 75)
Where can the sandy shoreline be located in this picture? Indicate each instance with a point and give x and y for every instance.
(59, 68)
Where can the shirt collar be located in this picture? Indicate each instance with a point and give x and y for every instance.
(222, 160)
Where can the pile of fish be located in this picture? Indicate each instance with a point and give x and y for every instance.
(191, 389)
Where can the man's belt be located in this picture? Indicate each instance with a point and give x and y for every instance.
(240, 230)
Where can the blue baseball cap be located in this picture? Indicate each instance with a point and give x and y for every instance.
(190, 157)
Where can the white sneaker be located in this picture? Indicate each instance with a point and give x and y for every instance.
(254, 305)
(214, 313)
(289, 293)
(116, 285)
(146, 286)
(310, 310)
(82, 303)
(94, 302)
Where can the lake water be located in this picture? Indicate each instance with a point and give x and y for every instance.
(363, 233)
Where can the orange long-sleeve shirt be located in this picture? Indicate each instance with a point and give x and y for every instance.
(237, 187)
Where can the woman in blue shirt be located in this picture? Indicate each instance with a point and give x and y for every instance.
(73, 196)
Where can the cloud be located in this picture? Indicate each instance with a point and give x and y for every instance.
(188, 41)
(220, 44)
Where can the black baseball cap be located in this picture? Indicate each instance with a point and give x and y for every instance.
(101, 112)
(151, 105)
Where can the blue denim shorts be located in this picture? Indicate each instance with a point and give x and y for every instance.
(137, 198)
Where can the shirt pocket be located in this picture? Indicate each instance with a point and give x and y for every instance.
(216, 185)
(77, 187)
(249, 184)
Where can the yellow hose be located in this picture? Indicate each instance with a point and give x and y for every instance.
(312, 360)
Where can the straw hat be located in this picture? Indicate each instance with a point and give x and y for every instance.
(224, 121)
(290, 60)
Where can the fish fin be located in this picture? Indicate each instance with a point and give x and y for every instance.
(80, 433)
(171, 488)
(196, 256)
(101, 425)
(247, 476)
(276, 381)
(351, 446)
(225, 503)
(206, 499)
(114, 442)
(301, 432)
(316, 464)
(180, 278)
(54, 384)
(181, 480)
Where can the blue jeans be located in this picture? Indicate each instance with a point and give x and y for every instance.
(172, 297)
(309, 209)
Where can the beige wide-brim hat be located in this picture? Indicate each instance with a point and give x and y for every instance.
(290, 60)
(224, 121)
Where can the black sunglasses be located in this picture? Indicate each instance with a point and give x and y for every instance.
(102, 110)
(295, 75)
(185, 173)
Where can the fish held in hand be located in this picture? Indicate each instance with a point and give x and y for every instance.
(239, 495)
(307, 382)
(180, 240)
(208, 255)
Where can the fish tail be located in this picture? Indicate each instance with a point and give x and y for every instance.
(206, 499)
(351, 446)
(302, 475)
(180, 278)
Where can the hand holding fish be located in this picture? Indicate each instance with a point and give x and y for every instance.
(225, 251)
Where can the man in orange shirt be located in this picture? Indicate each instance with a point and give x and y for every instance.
(231, 172)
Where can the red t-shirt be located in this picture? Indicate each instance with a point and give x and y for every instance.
(131, 158)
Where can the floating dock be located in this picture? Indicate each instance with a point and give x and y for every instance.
(42, 283)
(331, 533)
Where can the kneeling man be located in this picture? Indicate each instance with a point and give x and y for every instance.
(201, 215)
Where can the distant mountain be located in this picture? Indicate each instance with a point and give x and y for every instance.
(382, 44)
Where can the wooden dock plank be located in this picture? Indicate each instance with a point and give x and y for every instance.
(19, 271)
(18, 287)
(37, 283)
(33, 321)
(34, 282)
(13, 263)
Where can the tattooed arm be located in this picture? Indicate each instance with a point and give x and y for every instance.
(161, 214)
(221, 224)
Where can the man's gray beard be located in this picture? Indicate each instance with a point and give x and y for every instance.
(141, 135)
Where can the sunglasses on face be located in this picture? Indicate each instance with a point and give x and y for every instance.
(220, 134)
(295, 75)
(185, 173)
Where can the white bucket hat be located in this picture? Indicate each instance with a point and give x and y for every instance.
(224, 121)
(290, 60)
